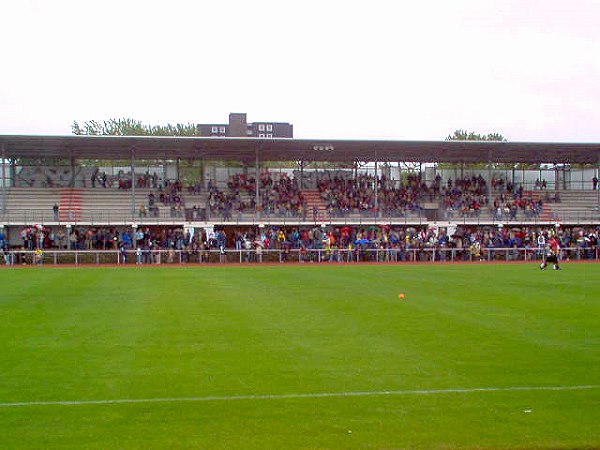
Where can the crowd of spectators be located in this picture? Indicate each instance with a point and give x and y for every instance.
(347, 194)
(333, 243)
(39, 236)
(410, 243)
(123, 180)
(279, 195)
(344, 194)
(462, 197)
(509, 208)
(169, 195)
(224, 203)
(467, 196)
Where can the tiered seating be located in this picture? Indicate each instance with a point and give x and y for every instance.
(106, 205)
(36, 205)
(201, 201)
(524, 209)
(32, 205)
(577, 206)
(99, 205)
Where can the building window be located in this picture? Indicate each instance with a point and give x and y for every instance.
(261, 135)
(269, 127)
(249, 132)
(261, 127)
(270, 135)
(222, 130)
(214, 129)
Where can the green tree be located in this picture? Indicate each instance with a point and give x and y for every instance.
(132, 127)
(189, 170)
(463, 135)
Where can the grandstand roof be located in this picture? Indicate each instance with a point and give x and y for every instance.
(247, 149)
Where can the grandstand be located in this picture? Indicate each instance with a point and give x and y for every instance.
(330, 355)
(77, 185)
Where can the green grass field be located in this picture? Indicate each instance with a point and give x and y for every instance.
(232, 351)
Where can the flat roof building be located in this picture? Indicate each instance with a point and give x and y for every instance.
(238, 126)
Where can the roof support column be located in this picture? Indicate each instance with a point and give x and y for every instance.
(73, 175)
(489, 180)
(598, 176)
(13, 173)
(164, 172)
(257, 192)
(133, 181)
(3, 179)
(398, 182)
(201, 163)
(376, 190)
(301, 166)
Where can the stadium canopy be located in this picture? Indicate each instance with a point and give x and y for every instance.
(250, 150)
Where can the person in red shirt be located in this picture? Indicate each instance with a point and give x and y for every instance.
(555, 244)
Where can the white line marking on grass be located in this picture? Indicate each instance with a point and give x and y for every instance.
(294, 396)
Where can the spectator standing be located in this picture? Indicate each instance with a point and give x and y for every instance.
(7, 256)
(123, 252)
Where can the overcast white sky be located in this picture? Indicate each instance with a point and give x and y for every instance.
(335, 69)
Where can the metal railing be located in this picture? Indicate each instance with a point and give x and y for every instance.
(314, 255)
(31, 217)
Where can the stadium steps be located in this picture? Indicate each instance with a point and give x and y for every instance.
(315, 201)
(70, 205)
(547, 214)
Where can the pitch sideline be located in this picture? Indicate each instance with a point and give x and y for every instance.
(293, 396)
